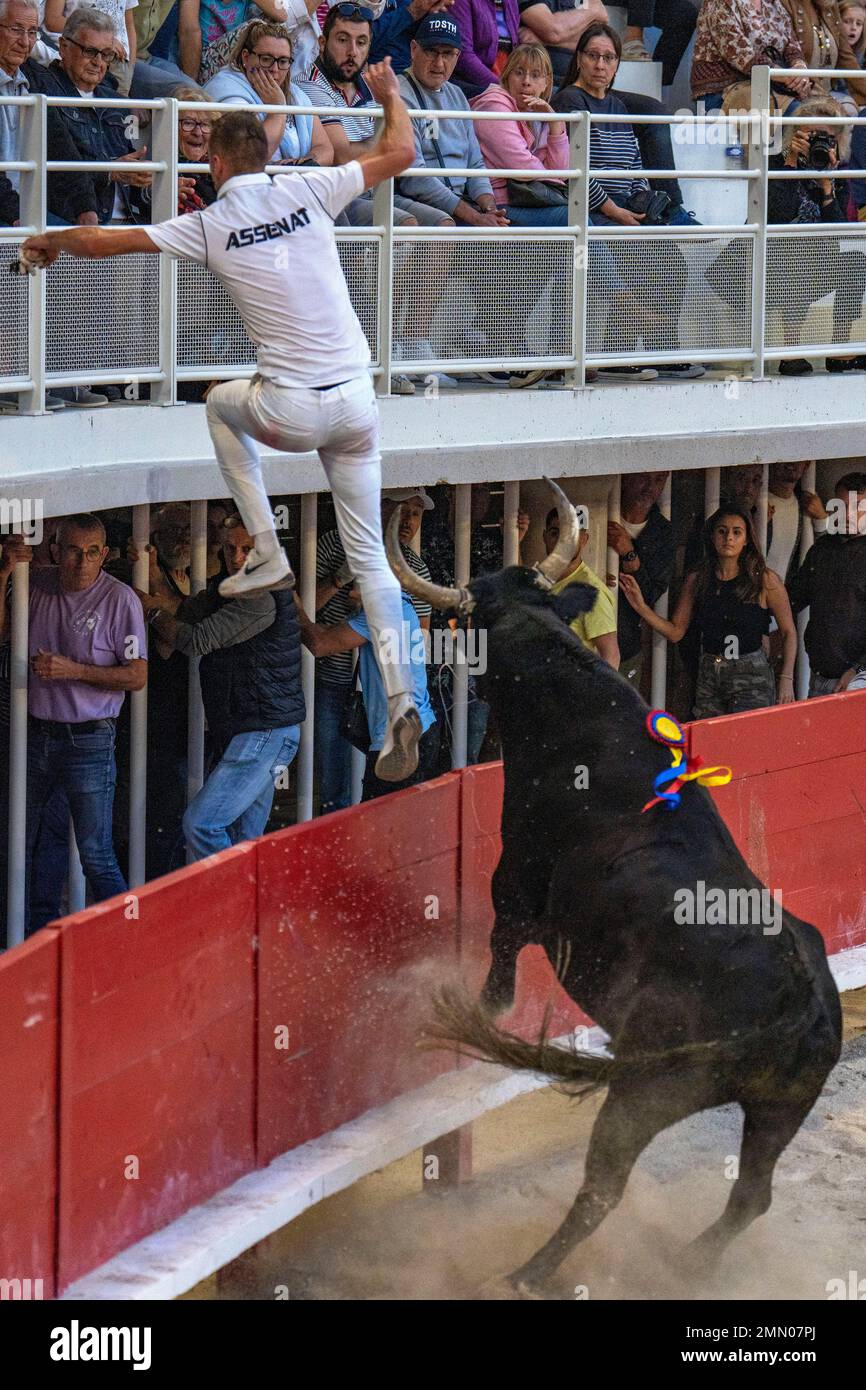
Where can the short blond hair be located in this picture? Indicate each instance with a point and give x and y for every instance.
(533, 56)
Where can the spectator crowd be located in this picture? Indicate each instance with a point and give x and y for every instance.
(93, 637)
(516, 58)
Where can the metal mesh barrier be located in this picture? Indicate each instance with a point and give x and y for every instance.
(815, 288)
(102, 315)
(14, 355)
(668, 294)
(209, 329)
(483, 297)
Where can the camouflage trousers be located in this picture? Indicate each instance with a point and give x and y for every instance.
(727, 686)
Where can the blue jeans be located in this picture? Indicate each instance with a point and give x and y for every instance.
(235, 802)
(537, 217)
(82, 765)
(333, 752)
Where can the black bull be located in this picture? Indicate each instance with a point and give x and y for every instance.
(698, 1015)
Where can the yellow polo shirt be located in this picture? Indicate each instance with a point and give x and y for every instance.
(601, 619)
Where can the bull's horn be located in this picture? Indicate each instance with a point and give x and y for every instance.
(435, 594)
(555, 565)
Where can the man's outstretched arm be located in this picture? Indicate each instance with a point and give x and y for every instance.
(93, 243)
(394, 151)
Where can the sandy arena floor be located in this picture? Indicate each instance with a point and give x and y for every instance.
(386, 1239)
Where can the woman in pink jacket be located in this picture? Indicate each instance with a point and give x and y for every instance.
(525, 88)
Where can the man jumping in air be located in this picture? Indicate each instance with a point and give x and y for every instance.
(270, 242)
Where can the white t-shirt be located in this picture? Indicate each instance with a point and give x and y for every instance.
(786, 521)
(115, 9)
(270, 243)
(634, 528)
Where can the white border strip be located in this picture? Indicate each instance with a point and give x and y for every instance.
(209, 1236)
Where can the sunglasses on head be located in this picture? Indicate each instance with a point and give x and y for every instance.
(350, 11)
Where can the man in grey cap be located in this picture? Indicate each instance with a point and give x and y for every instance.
(439, 144)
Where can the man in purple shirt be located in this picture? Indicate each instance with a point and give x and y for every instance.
(87, 648)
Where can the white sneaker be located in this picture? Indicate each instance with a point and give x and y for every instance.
(259, 574)
(399, 756)
(401, 385)
(634, 52)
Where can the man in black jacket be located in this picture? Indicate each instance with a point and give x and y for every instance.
(643, 539)
(19, 29)
(250, 673)
(86, 49)
(831, 583)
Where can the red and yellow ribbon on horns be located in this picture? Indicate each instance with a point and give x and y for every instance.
(667, 785)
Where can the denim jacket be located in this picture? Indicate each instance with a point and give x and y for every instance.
(97, 133)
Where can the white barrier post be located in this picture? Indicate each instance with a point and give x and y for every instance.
(138, 716)
(510, 508)
(309, 515)
(758, 153)
(164, 148)
(16, 902)
(33, 210)
(807, 540)
(462, 543)
(659, 641)
(195, 708)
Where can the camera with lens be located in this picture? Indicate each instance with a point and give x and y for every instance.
(822, 147)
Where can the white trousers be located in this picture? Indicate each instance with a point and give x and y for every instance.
(342, 425)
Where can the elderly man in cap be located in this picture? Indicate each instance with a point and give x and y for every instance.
(438, 144)
(337, 600)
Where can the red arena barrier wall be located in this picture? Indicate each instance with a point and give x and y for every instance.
(28, 1120)
(150, 1036)
(157, 1046)
(357, 918)
(797, 805)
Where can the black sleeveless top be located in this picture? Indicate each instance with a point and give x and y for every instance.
(723, 616)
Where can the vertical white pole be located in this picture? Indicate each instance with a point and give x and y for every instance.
(659, 642)
(578, 218)
(712, 490)
(763, 509)
(614, 514)
(807, 540)
(16, 900)
(462, 543)
(195, 708)
(758, 151)
(138, 716)
(383, 216)
(33, 127)
(510, 508)
(309, 503)
(164, 147)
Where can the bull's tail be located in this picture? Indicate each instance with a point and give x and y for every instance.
(462, 1020)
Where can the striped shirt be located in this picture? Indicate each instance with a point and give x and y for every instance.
(610, 146)
(330, 555)
(322, 92)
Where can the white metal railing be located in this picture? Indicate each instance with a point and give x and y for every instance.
(703, 327)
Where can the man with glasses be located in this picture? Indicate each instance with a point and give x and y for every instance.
(86, 50)
(270, 242)
(87, 648)
(19, 32)
(336, 79)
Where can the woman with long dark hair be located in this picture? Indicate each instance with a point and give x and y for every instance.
(731, 595)
(644, 282)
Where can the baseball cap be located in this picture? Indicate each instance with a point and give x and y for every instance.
(438, 29)
(402, 494)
